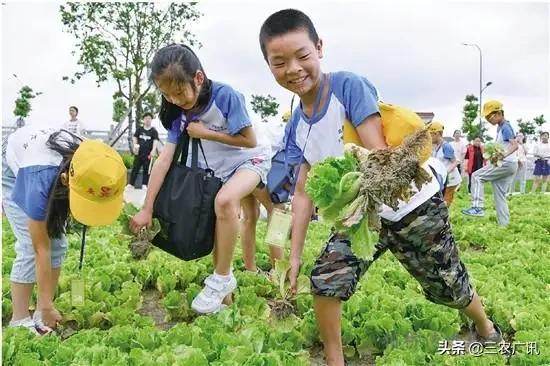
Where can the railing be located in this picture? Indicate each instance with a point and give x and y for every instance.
(103, 135)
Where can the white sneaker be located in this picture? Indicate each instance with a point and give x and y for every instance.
(30, 325)
(39, 324)
(216, 288)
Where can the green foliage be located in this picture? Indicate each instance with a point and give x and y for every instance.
(387, 321)
(23, 102)
(127, 159)
(115, 41)
(529, 128)
(264, 106)
(470, 123)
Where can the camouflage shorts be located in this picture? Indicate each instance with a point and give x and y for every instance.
(422, 241)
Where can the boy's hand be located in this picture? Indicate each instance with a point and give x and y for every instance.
(293, 273)
(198, 130)
(143, 218)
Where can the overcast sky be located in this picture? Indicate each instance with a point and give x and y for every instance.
(411, 51)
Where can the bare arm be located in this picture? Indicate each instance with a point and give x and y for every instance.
(158, 173)
(454, 164)
(513, 148)
(41, 245)
(370, 133)
(302, 208)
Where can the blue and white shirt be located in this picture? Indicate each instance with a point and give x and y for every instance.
(225, 113)
(446, 154)
(505, 136)
(352, 98)
(35, 167)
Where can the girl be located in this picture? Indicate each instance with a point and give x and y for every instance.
(542, 165)
(215, 113)
(48, 174)
(522, 165)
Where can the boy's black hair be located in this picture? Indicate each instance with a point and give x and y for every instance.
(179, 63)
(75, 108)
(147, 114)
(285, 21)
(544, 133)
(64, 143)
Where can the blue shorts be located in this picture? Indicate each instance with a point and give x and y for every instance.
(24, 267)
(542, 168)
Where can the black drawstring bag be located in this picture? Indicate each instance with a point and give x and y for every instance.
(184, 205)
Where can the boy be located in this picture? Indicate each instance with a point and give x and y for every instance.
(146, 139)
(500, 177)
(292, 49)
(444, 152)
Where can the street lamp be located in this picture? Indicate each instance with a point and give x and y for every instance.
(481, 88)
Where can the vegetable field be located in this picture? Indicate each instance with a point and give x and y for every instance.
(137, 312)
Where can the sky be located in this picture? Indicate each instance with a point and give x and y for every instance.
(411, 51)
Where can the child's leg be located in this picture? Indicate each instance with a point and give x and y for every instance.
(262, 195)
(23, 269)
(328, 312)
(478, 178)
(248, 231)
(449, 195)
(227, 205)
(544, 184)
(424, 244)
(334, 277)
(135, 170)
(522, 177)
(536, 183)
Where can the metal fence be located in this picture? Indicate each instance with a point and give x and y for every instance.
(103, 135)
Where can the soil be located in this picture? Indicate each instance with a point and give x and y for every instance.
(281, 309)
(152, 307)
(140, 249)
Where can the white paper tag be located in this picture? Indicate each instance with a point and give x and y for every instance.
(77, 292)
(279, 227)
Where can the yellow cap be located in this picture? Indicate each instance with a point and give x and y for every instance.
(286, 116)
(490, 107)
(97, 178)
(436, 127)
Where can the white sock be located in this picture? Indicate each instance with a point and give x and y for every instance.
(224, 277)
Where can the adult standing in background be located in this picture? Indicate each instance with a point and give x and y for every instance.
(75, 125)
(146, 140)
(459, 148)
(522, 164)
(473, 160)
(541, 152)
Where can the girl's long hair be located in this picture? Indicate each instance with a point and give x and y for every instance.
(178, 63)
(65, 144)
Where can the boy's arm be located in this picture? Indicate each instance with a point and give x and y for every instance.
(513, 148)
(302, 208)
(370, 132)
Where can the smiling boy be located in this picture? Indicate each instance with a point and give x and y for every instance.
(418, 233)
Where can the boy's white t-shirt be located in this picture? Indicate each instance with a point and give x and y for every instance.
(446, 154)
(77, 127)
(353, 98)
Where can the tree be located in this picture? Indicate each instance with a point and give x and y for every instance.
(23, 102)
(470, 125)
(265, 106)
(116, 41)
(529, 128)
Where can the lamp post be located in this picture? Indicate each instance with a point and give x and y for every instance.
(481, 88)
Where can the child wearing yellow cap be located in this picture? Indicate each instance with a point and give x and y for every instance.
(501, 177)
(444, 152)
(418, 233)
(47, 175)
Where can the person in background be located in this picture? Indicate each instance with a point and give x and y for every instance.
(459, 148)
(522, 165)
(75, 125)
(500, 176)
(146, 139)
(541, 152)
(473, 160)
(443, 151)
